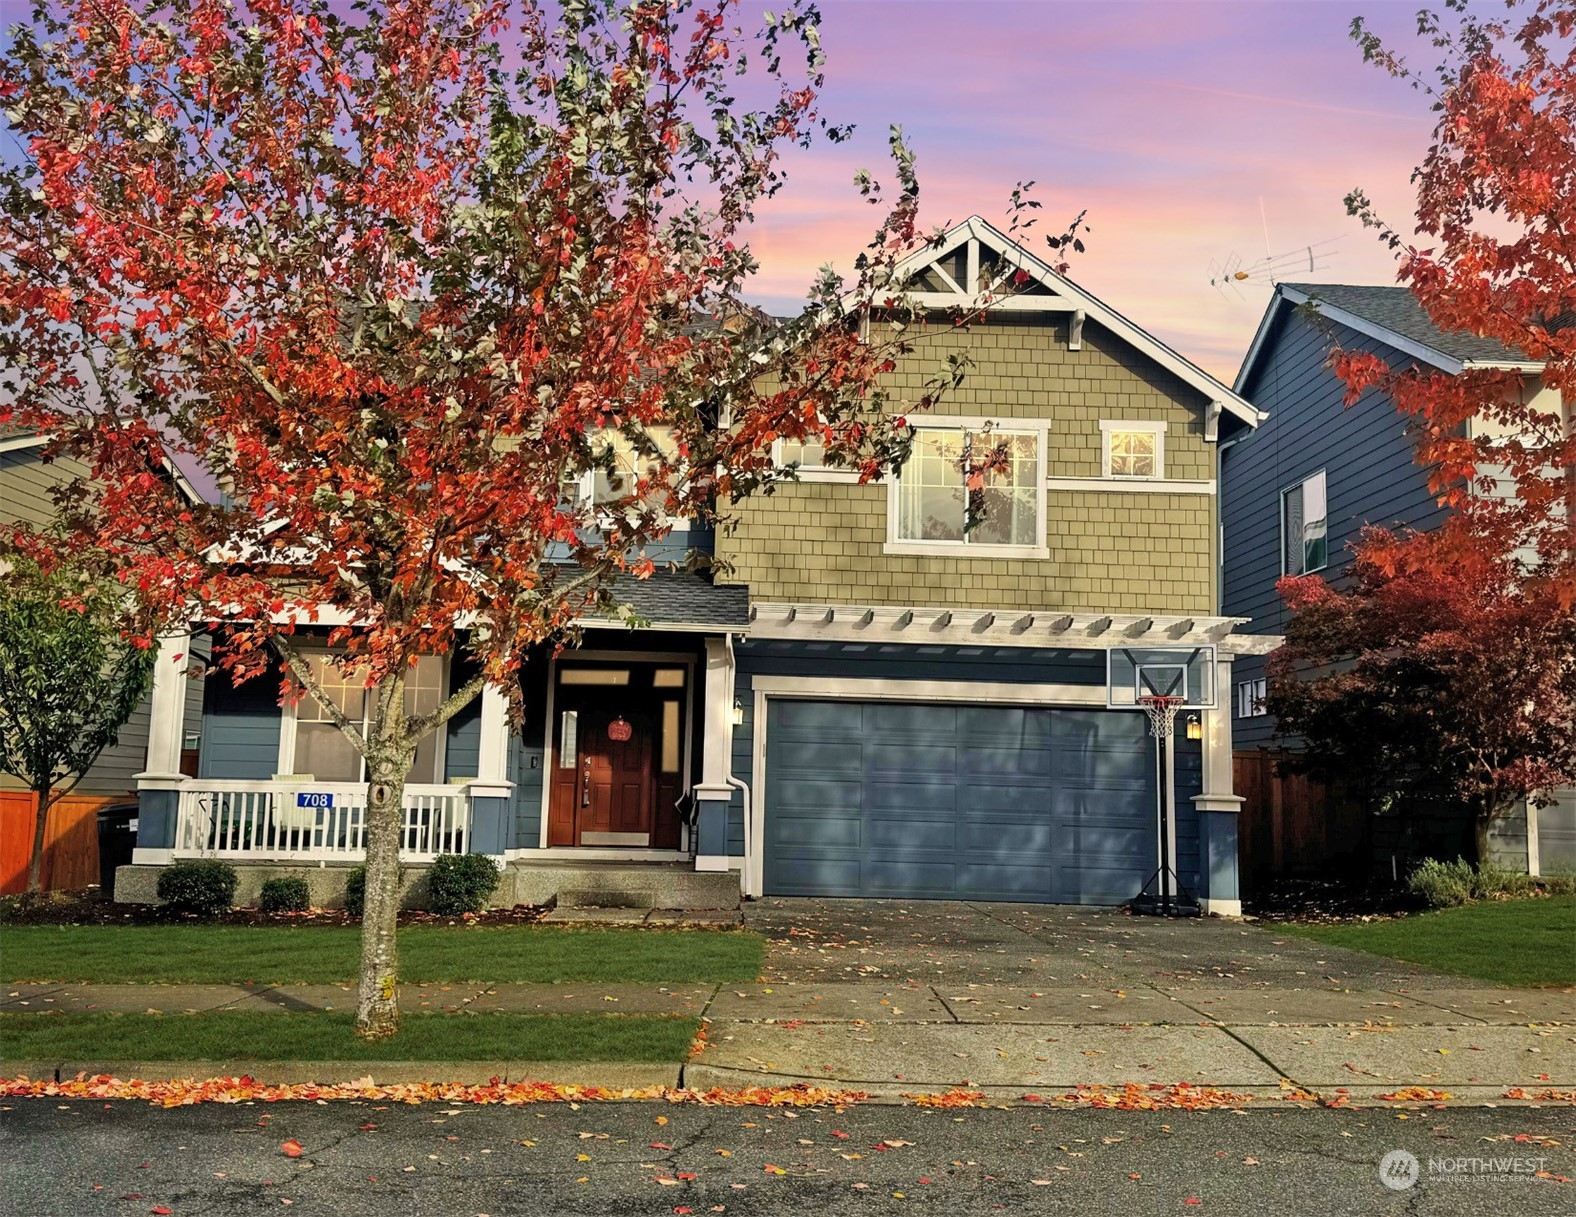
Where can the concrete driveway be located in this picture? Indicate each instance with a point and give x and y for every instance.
(950, 942)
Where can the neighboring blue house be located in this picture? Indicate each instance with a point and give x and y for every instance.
(883, 691)
(1298, 490)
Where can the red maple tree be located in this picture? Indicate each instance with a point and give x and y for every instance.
(395, 279)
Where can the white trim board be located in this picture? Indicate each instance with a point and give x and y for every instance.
(1132, 485)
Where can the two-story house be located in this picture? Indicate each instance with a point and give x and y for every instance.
(1298, 490)
(876, 695)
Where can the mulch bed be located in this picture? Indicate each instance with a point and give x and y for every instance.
(90, 906)
(1322, 900)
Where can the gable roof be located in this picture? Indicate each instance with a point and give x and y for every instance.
(1387, 314)
(953, 274)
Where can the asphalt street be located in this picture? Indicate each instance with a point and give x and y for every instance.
(85, 1158)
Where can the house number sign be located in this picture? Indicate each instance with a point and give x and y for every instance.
(619, 730)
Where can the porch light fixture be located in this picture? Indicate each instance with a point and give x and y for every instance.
(1195, 727)
(738, 712)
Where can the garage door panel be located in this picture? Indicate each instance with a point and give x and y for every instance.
(818, 831)
(901, 836)
(815, 796)
(901, 759)
(1004, 882)
(904, 718)
(916, 797)
(1000, 839)
(967, 801)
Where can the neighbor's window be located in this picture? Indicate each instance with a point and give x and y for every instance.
(805, 453)
(1250, 697)
(934, 503)
(1304, 527)
(1134, 450)
(321, 748)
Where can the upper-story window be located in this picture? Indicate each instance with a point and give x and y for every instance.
(808, 459)
(1133, 450)
(934, 508)
(1305, 544)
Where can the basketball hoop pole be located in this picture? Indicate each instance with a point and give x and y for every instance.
(1162, 714)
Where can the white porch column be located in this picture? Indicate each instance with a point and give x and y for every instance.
(492, 755)
(158, 785)
(712, 793)
(1218, 804)
(167, 717)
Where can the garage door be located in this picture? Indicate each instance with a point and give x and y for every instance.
(957, 801)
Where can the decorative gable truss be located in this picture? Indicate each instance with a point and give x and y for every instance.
(977, 264)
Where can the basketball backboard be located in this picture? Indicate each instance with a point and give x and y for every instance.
(1133, 673)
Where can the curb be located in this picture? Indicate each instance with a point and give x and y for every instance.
(612, 1075)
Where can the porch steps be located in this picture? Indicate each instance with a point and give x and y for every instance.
(623, 885)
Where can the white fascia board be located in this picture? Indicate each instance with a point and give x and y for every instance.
(670, 627)
(1261, 336)
(18, 443)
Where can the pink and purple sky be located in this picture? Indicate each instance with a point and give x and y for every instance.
(1170, 120)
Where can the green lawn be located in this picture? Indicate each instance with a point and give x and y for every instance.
(1510, 942)
(202, 954)
(230, 1035)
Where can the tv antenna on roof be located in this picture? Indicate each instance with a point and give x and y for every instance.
(1231, 272)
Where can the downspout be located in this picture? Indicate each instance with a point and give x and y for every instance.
(738, 784)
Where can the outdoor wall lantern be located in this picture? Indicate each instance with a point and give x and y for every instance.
(738, 712)
(1195, 727)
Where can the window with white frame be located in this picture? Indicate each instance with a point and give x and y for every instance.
(628, 463)
(1251, 695)
(1304, 527)
(973, 488)
(318, 747)
(1133, 449)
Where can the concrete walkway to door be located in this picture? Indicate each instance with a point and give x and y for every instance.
(896, 997)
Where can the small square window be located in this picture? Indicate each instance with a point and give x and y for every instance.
(1134, 450)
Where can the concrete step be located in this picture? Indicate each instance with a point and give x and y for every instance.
(629, 885)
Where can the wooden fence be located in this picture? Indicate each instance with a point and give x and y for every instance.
(71, 855)
(1294, 827)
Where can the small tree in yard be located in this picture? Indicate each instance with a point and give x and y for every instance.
(397, 278)
(68, 683)
(1456, 682)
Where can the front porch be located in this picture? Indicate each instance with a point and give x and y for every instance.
(623, 756)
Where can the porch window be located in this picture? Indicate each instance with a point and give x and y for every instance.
(319, 748)
(935, 506)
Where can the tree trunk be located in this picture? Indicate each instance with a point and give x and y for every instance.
(35, 865)
(389, 757)
(1482, 826)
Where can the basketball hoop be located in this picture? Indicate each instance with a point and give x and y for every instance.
(1162, 713)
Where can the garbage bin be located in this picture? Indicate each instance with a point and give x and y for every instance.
(117, 838)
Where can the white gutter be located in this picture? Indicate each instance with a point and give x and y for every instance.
(746, 871)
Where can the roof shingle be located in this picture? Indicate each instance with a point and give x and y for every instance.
(1397, 310)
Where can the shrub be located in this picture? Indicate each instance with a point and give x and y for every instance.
(286, 894)
(1559, 884)
(356, 890)
(460, 883)
(205, 887)
(1442, 884)
(1490, 883)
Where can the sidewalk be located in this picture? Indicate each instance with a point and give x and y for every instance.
(1004, 1040)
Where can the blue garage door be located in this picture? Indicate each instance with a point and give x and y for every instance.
(957, 801)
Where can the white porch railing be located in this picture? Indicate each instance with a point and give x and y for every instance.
(316, 822)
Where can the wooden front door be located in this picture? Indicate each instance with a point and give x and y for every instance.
(607, 797)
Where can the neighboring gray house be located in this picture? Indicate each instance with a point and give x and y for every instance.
(1298, 490)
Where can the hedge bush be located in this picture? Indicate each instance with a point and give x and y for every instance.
(460, 883)
(356, 890)
(286, 894)
(205, 887)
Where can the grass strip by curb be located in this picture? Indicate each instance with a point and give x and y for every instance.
(206, 954)
(265, 1036)
(1508, 942)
